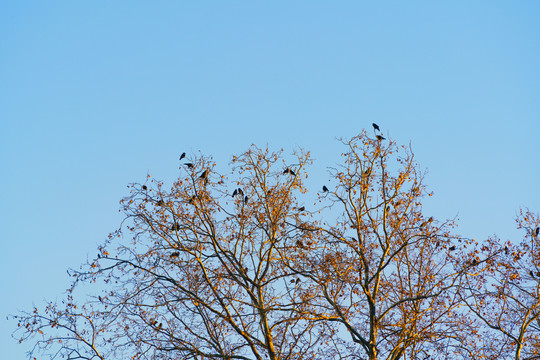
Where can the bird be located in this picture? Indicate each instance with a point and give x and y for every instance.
(379, 137)
(302, 208)
(235, 192)
(144, 187)
(531, 273)
(289, 171)
(183, 155)
(175, 254)
(506, 250)
(452, 248)
(100, 299)
(191, 199)
(286, 171)
(159, 327)
(175, 226)
(376, 127)
(189, 165)
(324, 188)
(240, 192)
(297, 280)
(537, 231)
(292, 173)
(246, 200)
(161, 202)
(203, 175)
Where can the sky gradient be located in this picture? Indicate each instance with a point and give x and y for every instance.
(95, 95)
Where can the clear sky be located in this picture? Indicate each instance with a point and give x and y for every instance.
(95, 94)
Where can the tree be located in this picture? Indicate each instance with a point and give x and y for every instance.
(241, 267)
(503, 294)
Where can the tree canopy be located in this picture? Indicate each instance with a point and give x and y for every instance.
(259, 264)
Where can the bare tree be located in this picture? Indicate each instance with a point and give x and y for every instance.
(243, 266)
(503, 294)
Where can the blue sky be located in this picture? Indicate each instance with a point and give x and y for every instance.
(93, 95)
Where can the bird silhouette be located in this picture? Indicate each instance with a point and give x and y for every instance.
(183, 155)
(452, 248)
(297, 281)
(324, 188)
(189, 165)
(100, 299)
(161, 202)
(506, 250)
(144, 187)
(302, 208)
(286, 171)
(235, 192)
(292, 173)
(240, 192)
(159, 327)
(175, 226)
(376, 127)
(175, 254)
(379, 137)
(203, 175)
(537, 230)
(531, 273)
(246, 200)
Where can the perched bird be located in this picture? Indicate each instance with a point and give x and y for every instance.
(100, 299)
(240, 192)
(161, 202)
(376, 127)
(506, 250)
(183, 155)
(191, 199)
(175, 254)
(246, 200)
(537, 230)
(235, 192)
(379, 137)
(297, 281)
(144, 187)
(159, 327)
(302, 208)
(189, 165)
(175, 226)
(289, 171)
(203, 175)
(452, 248)
(324, 188)
(531, 273)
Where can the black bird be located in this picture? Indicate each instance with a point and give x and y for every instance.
(246, 200)
(144, 187)
(506, 250)
(175, 254)
(537, 230)
(379, 137)
(302, 208)
(159, 327)
(191, 199)
(175, 226)
(286, 171)
(189, 165)
(183, 155)
(324, 188)
(531, 273)
(292, 173)
(161, 202)
(297, 281)
(452, 248)
(100, 299)
(240, 192)
(203, 175)
(376, 127)
(235, 192)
